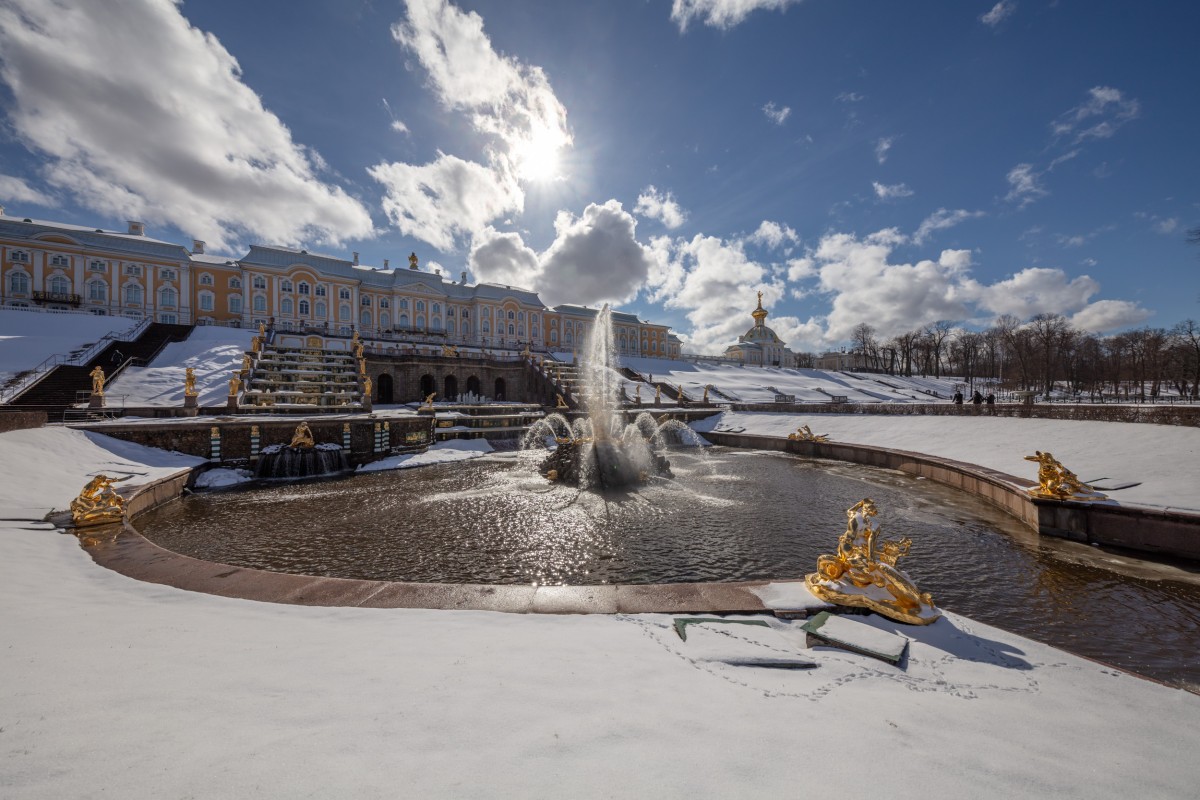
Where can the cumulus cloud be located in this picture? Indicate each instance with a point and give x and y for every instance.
(893, 192)
(1024, 186)
(511, 103)
(773, 235)
(139, 114)
(940, 220)
(882, 147)
(504, 258)
(1098, 117)
(776, 114)
(1106, 316)
(1000, 12)
(654, 205)
(723, 14)
(18, 190)
(445, 199)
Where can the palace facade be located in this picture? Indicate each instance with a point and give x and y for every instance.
(61, 266)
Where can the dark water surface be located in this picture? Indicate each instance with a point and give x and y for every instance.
(728, 515)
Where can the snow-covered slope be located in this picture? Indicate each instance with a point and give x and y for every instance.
(27, 338)
(213, 353)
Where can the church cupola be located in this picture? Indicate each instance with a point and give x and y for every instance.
(760, 313)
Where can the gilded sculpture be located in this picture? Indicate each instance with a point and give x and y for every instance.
(97, 375)
(189, 382)
(235, 385)
(1059, 483)
(450, 350)
(302, 437)
(429, 399)
(863, 572)
(256, 344)
(98, 503)
(805, 434)
(367, 386)
(657, 393)
(559, 402)
(245, 362)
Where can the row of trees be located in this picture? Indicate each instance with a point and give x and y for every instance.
(1042, 354)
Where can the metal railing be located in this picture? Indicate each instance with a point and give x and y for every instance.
(28, 379)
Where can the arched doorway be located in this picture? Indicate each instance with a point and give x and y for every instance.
(473, 387)
(428, 386)
(499, 389)
(383, 388)
(451, 388)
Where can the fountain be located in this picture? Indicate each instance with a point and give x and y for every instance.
(303, 458)
(600, 450)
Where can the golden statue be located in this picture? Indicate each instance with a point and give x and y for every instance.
(1059, 483)
(760, 299)
(863, 573)
(354, 338)
(357, 349)
(189, 382)
(97, 376)
(98, 503)
(302, 437)
(705, 400)
(235, 385)
(367, 386)
(449, 350)
(682, 396)
(657, 393)
(525, 353)
(429, 399)
(362, 366)
(262, 329)
(559, 402)
(256, 344)
(412, 260)
(805, 434)
(245, 362)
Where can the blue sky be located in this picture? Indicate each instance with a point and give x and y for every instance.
(872, 161)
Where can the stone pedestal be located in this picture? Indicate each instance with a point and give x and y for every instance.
(425, 412)
(366, 402)
(96, 401)
(191, 405)
(231, 404)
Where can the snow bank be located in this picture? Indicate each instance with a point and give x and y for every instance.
(29, 337)
(223, 477)
(439, 453)
(212, 352)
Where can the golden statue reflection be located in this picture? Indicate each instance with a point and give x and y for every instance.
(805, 434)
(1059, 483)
(98, 503)
(302, 437)
(863, 572)
(97, 376)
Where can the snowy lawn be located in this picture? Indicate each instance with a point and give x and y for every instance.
(1165, 459)
(212, 352)
(29, 337)
(112, 687)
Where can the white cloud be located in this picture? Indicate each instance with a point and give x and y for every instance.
(1105, 316)
(1000, 12)
(940, 220)
(773, 234)
(776, 114)
(595, 258)
(1099, 116)
(1024, 185)
(511, 103)
(1166, 225)
(882, 147)
(17, 190)
(183, 142)
(503, 258)
(892, 192)
(654, 205)
(448, 198)
(722, 14)
(1036, 290)
(399, 127)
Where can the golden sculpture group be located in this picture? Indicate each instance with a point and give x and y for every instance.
(98, 503)
(1059, 483)
(97, 376)
(302, 437)
(863, 572)
(805, 434)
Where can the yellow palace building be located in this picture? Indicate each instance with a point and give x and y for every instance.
(61, 266)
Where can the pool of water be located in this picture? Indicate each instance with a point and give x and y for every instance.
(727, 515)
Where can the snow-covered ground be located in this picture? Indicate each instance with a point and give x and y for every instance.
(27, 337)
(113, 687)
(438, 453)
(212, 352)
(1164, 459)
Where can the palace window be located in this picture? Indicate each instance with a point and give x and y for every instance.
(168, 319)
(511, 315)
(167, 296)
(343, 293)
(403, 321)
(304, 308)
(385, 321)
(437, 323)
(259, 282)
(260, 304)
(487, 312)
(320, 290)
(487, 326)
(320, 309)
(344, 313)
(58, 261)
(206, 279)
(98, 291)
(420, 305)
(19, 257)
(235, 304)
(365, 319)
(207, 301)
(285, 286)
(133, 294)
(450, 326)
(134, 270)
(466, 314)
(166, 274)
(511, 332)
(285, 306)
(302, 287)
(520, 330)
(365, 300)
(18, 282)
(535, 331)
(437, 308)
(449, 311)
(97, 266)
(383, 302)
(403, 304)
(235, 282)
(59, 285)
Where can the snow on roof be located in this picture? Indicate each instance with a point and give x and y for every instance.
(25, 228)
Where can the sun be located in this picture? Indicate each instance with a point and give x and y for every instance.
(539, 158)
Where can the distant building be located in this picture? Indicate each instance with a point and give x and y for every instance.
(842, 361)
(760, 345)
(56, 265)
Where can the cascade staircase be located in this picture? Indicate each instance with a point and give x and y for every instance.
(303, 379)
(59, 389)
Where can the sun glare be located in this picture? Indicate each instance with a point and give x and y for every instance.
(539, 158)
